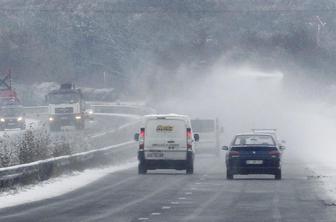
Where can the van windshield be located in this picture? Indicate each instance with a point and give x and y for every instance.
(164, 128)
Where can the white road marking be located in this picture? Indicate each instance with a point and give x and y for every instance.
(156, 214)
(182, 198)
(143, 218)
(165, 207)
(188, 193)
(175, 202)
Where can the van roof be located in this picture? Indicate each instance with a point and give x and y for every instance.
(170, 116)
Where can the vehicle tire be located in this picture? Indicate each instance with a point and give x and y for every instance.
(278, 175)
(190, 169)
(229, 174)
(190, 164)
(142, 168)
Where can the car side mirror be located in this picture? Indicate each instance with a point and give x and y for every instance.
(282, 148)
(196, 137)
(136, 137)
(226, 148)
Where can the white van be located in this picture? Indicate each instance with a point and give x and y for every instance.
(166, 142)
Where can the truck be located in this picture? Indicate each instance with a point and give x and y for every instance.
(209, 131)
(66, 107)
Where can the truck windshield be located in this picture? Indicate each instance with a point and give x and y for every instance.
(59, 98)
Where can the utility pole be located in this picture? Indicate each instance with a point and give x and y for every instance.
(319, 25)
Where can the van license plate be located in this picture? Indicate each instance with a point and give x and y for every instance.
(155, 155)
(254, 162)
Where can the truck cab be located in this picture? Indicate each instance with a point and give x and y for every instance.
(66, 107)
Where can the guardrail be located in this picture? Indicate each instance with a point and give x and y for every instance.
(100, 107)
(45, 169)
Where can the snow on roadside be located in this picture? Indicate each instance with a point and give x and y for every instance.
(58, 186)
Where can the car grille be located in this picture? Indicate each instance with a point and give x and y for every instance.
(64, 110)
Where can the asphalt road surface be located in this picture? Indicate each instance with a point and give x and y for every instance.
(165, 195)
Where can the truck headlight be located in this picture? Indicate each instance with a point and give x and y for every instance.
(51, 119)
(78, 117)
(19, 119)
(2, 120)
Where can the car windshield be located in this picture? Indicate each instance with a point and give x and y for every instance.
(246, 140)
(59, 98)
(11, 112)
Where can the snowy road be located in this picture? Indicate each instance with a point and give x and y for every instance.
(173, 196)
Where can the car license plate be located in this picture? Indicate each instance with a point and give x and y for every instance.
(155, 155)
(254, 162)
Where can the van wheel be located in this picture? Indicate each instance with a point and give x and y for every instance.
(277, 175)
(229, 174)
(142, 168)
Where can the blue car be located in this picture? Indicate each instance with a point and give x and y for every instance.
(253, 154)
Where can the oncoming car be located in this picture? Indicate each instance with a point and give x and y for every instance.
(166, 142)
(253, 154)
(12, 117)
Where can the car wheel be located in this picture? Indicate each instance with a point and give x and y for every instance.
(277, 175)
(229, 174)
(142, 168)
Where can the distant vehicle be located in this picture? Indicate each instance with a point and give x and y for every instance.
(66, 107)
(209, 132)
(166, 142)
(253, 154)
(89, 114)
(12, 117)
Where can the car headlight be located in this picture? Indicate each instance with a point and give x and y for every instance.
(19, 118)
(2, 120)
(51, 119)
(78, 117)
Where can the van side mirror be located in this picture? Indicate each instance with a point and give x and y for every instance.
(282, 148)
(136, 136)
(226, 148)
(196, 137)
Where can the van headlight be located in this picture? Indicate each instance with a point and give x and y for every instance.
(78, 117)
(51, 119)
(2, 120)
(19, 118)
